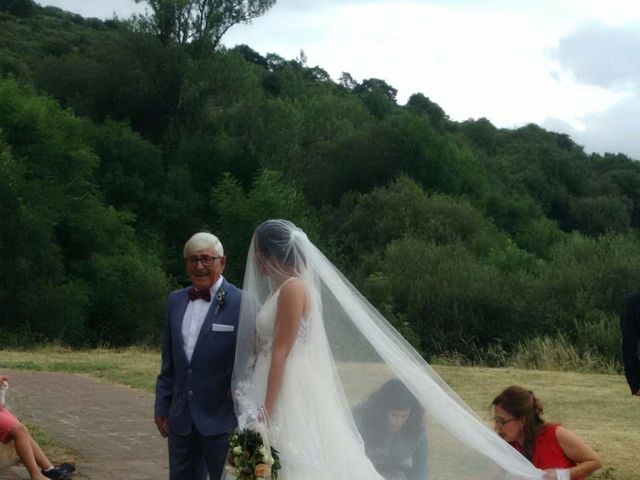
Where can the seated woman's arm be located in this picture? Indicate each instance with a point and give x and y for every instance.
(577, 450)
(419, 459)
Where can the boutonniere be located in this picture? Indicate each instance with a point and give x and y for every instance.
(220, 294)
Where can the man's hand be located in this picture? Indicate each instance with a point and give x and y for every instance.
(163, 425)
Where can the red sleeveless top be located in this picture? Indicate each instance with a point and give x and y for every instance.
(547, 452)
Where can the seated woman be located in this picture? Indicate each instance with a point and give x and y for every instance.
(550, 447)
(391, 422)
(33, 458)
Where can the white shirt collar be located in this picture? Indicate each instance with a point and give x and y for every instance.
(214, 288)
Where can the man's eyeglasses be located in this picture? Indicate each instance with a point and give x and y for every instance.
(205, 260)
(501, 421)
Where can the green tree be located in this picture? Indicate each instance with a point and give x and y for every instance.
(202, 22)
(126, 77)
(347, 82)
(605, 213)
(130, 173)
(55, 226)
(403, 208)
(240, 212)
(538, 235)
(421, 105)
(453, 301)
(624, 174)
(482, 133)
(378, 96)
(585, 279)
(377, 151)
(127, 306)
(20, 8)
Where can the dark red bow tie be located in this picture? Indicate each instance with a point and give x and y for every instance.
(203, 294)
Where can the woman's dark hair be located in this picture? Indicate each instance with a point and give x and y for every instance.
(522, 403)
(392, 395)
(274, 240)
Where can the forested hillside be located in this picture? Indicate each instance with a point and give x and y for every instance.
(117, 144)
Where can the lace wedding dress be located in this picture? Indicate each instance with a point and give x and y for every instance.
(345, 351)
(310, 426)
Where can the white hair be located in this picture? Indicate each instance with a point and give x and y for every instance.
(203, 241)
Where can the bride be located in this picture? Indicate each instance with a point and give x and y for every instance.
(310, 348)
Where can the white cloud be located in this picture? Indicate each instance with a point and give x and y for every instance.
(602, 55)
(490, 62)
(606, 57)
(613, 130)
(615, 13)
(97, 8)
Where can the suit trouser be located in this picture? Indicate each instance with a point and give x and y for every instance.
(191, 456)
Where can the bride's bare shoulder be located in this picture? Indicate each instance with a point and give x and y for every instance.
(294, 291)
(294, 286)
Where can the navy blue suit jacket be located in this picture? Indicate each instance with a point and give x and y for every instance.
(631, 340)
(199, 392)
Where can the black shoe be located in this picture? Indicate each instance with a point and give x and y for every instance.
(67, 468)
(56, 474)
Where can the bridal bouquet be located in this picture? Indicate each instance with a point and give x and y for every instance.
(248, 457)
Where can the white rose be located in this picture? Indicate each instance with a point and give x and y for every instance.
(237, 450)
(262, 450)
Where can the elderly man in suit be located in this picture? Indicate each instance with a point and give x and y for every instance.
(631, 341)
(193, 406)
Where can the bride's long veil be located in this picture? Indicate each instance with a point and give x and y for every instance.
(362, 352)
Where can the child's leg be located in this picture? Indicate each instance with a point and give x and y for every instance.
(41, 459)
(23, 443)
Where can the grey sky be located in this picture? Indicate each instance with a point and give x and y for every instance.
(568, 65)
(97, 8)
(607, 57)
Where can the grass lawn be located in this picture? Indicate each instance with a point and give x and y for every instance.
(597, 407)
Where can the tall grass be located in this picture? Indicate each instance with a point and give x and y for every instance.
(548, 353)
(557, 353)
(135, 366)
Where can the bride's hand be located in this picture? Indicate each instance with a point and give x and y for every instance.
(557, 474)
(263, 416)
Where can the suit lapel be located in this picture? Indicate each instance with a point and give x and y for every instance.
(179, 318)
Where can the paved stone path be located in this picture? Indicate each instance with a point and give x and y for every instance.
(109, 426)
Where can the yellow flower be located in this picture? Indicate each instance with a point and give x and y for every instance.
(262, 470)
